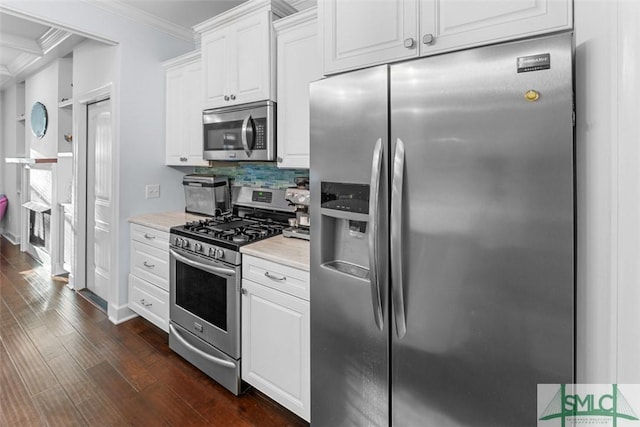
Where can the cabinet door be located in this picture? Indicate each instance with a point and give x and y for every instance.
(216, 49)
(275, 346)
(183, 138)
(457, 24)
(251, 68)
(357, 34)
(298, 65)
(173, 121)
(192, 118)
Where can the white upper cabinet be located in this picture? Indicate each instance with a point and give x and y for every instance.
(447, 25)
(357, 34)
(298, 65)
(183, 137)
(238, 53)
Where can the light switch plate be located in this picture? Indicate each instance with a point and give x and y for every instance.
(152, 191)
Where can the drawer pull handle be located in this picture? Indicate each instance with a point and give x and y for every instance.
(146, 304)
(272, 277)
(146, 264)
(149, 236)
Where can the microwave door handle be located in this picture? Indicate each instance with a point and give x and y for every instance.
(210, 268)
(374, 198)
(245, 130)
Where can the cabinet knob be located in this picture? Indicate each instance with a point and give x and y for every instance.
(183, 159)
(243, 291)
(428, 39)
(279, 159)
(233, 97)
(226, 97)
(409, 42)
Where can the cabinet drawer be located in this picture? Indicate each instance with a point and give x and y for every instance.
(277, 276)
(150, 236)
(149, 301)
(151, 264)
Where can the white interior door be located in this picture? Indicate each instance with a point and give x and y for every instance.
(99, 196)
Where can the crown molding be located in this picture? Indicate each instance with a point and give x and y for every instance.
(52, 38)
(22, 62)
(187, 58)
(22, 44)
(302, 4)
(139, 16)
(307, 15)
(278, 7)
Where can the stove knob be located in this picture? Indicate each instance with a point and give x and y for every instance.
(198, 247)
(185, 243)
(218, 254)
(179, 242)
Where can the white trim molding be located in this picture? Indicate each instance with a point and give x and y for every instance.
(139, 16)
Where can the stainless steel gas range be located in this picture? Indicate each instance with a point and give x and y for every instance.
(205, 280)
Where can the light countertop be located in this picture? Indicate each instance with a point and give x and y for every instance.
(165, 220)
(284, 250)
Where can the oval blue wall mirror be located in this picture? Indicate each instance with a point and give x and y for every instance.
(39, 120)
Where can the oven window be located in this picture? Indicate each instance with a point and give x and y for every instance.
(202, 294)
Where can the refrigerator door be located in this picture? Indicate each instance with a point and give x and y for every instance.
(349, 240)
(487, 233)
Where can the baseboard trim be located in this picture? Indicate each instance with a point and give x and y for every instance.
(120, 314)
(12, 238)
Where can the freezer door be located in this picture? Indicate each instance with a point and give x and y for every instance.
(349, 204)
(484, 268)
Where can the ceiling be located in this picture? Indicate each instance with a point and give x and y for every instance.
(27, 45)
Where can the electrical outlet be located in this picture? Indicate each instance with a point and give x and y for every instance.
(152, 191)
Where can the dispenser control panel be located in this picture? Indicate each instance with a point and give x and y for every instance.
(345, 197)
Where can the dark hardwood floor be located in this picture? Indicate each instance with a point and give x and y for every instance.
(62, 363)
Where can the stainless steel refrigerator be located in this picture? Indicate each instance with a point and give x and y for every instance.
(442, 238)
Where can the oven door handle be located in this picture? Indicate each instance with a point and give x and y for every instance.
(199, 352)
(210, 268)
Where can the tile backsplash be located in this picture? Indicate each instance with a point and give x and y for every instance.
(265, 175)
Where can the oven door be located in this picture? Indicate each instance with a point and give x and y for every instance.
(239, 133)
(205, 299)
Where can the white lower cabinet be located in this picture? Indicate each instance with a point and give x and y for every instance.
(149, 275)
(276, 337)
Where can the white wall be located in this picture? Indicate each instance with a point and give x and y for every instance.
(9, 173)
(43, 87)
(139, 109)
(608, 197)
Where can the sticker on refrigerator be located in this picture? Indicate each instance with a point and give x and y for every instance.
(534, 63)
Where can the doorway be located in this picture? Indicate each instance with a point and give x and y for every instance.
(99, 201)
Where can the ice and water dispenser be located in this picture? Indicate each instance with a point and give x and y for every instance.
(344, 213)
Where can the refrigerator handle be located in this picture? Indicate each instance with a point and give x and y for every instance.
(397, 288)
(374, 199)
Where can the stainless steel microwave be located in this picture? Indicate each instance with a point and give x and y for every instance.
(240, 132)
